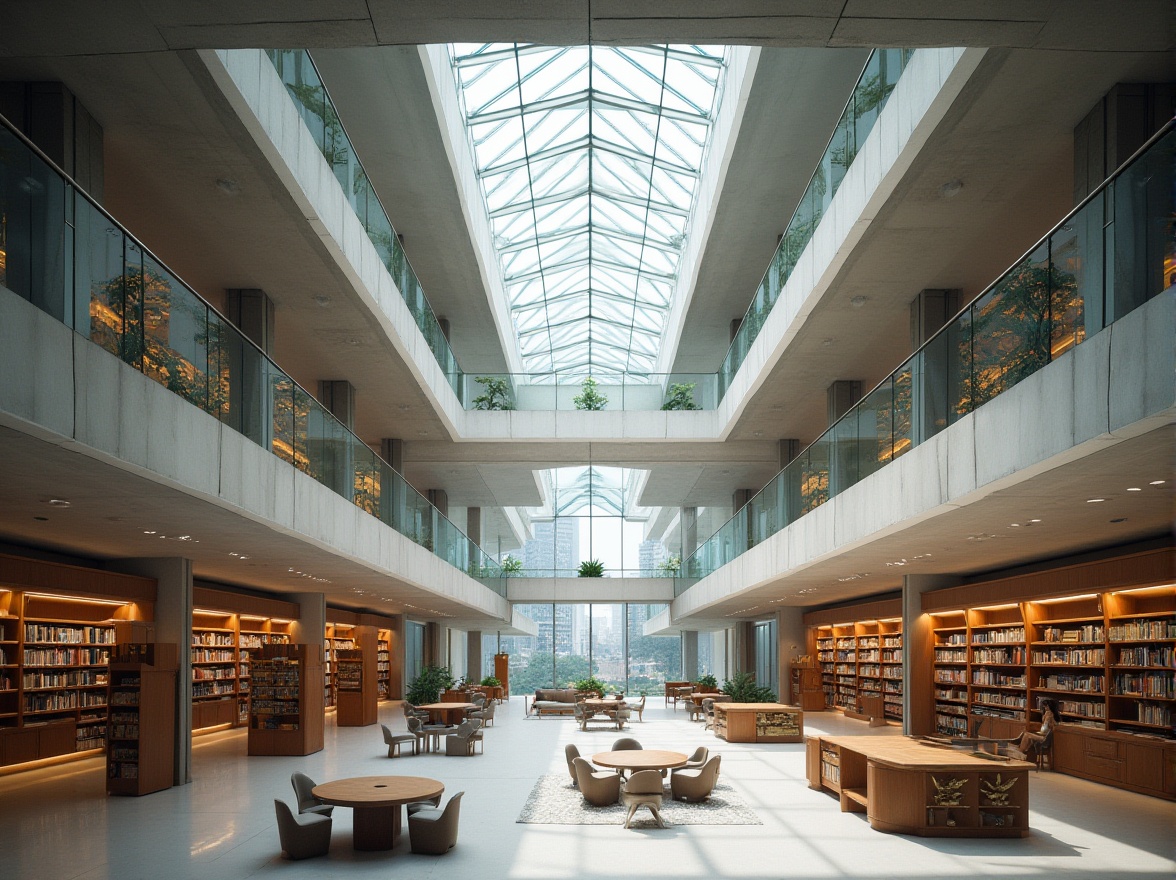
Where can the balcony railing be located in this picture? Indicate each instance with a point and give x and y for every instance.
(67, 256)
(1111, 254)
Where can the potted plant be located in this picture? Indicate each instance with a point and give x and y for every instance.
(590, 685)
(510, 565)
(743, 689)
(707, 684)
(491, 682)
(681, 396)
(670, 567)
(496, 396)
(591, 568)
(589, 398)
(428, 685)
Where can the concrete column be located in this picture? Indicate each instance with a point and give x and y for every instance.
(1116, 127)
(744, 654)
(474, 673)
(444, 324)
(690, 655)
(311, 625)
(435, 647)
(791, 642)
(49, 115)
(789, 449)
(689, 519)
(736, 323)
(393, 496)
(173, 625)
(439, 499)
(252, 312)
(917, 651)
(338, 397)
(840, 398)
(930, 312)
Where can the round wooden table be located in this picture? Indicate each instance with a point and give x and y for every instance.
(640, 759)
(376, 801)
(447, 713)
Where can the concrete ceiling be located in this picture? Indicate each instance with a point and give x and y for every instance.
(72, 27)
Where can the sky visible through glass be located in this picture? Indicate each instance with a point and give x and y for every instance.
(589, 159)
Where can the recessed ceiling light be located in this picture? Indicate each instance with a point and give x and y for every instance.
(858, 301)
(1094, 500)
(951, 189)
(1134, 489)
(322, 299)
(1034, 520)
(148, 532)
(1014, 525)
(228, 186)
(58, 502)
(1157, 482)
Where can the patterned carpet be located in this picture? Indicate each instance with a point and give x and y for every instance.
(554, 801)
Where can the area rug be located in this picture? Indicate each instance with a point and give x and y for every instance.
(555, 801)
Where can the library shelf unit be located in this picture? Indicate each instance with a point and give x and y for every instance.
(759, 722)
(339, 636)
(355, 686)
(907, 787)
(859, 653)
(228, 630)
(140, 741)
(384, 665)
(57, 629)
(285, 715)
(1098, 638)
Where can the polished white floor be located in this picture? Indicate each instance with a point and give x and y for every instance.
(56, 823)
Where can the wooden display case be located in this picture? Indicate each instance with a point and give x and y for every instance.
(905, 787)
(285, 715)
(759, 722)
(805, 687)
(141, 731)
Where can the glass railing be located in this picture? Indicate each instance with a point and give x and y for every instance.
(1106, 258)
(310, 98)
(869, 96)
(575, 573)
(597, 391)
(71, 259)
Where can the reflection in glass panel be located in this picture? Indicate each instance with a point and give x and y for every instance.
(573, 640)
(608, 644)
(653, 660)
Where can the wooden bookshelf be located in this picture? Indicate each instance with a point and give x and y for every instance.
(140, 748)
(355, 684)
(1103, 651)
(337, 637)
(285, 715)
(384, 665)
(859, 654)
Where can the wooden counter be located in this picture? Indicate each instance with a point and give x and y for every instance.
(906, 787)
(759, 722)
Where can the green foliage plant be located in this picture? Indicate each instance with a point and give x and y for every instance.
(670, 567)
(743, 689)
(511, 565)
(681, 396)
(707, 680)
(428, 685)
(496, 396)
(591, 568)
(491, 682)
(589, 398)
(591, 683)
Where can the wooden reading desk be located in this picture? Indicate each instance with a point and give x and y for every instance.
(907, 787)
(759, 722)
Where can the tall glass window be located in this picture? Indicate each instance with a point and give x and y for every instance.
(414, 650)
(765, 655)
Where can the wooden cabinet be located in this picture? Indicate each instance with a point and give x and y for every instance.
(355, 685)
(806, 688)
(1127, 761)
(759, 722)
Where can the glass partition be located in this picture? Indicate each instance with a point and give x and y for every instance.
(124, 299)
(1052, 299)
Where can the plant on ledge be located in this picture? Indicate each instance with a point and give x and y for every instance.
(591, 683)
(491, 682)
(591, 568)
(497, 395)
(681, 396)
(428, 685)
(589, 398)
(670, 567)
(707, 680)
(511, 565)
(743, 689)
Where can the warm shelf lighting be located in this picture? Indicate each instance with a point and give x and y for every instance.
(1157, 588)
(253, 617)
(88, 601)
(1067, 599)
(215, 613)
(280, 620)
(996, 607)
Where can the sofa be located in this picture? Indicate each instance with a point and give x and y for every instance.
(553, 701)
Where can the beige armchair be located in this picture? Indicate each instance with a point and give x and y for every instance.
(638, 707)
(427, 804)
(708, 713)
(303, 836)
(600, 788)
(485, 714)
(625, 744)
(434, 831)
(697, 759)
(395, 740)
(304, 792)
(463, 740)
(644, 789)
(695, 785)
(571, 752)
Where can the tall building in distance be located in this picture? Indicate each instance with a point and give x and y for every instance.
(651, 554)
(555, 545)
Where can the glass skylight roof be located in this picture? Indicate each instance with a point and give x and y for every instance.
(589, 158)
